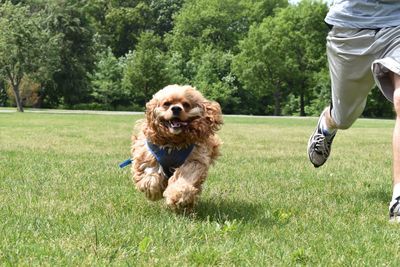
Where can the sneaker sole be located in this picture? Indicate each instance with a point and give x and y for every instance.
(394, 219)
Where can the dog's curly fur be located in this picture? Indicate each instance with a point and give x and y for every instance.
(176, 117)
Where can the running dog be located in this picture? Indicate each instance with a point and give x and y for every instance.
(175, 146)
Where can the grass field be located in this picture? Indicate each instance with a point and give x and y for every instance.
(65, 202)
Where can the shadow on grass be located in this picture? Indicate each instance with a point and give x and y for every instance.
(230, 210)
(380, 195)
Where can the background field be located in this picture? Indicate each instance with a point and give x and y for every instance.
(64, 201)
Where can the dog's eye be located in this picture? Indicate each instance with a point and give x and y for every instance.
(167, 104)
(186, 105)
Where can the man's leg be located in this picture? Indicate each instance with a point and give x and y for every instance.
(395, 205)
(396, 132)
(351, 81)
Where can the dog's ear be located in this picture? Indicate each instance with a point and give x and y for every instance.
(209, 121)
(150, 110)
(213, 114)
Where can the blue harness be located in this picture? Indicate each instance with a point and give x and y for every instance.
(168, 158)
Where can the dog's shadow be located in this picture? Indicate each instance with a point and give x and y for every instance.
(230, 210)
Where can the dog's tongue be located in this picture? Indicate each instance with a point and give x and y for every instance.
(177, 124)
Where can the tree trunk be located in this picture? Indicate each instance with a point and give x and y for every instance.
(39, 102)
(277, 100)
(302, 111)
(15, 81)
(15, 87)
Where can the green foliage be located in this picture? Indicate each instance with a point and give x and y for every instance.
(163, 12)
(178, 69)
(283, 52)
(262, 56)
(214, 78)
(124, 25)
(21, 42)
(378, 106)
(124, 21)
(253, 57)
(205, 38)
(106, 80)
(70, 82)
(305, 33)
(291, 105)
(321, 93)
(23, 38)
(145, 69)
(220, 23)
(260, 9)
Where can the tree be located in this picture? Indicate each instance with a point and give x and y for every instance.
(145, 69)
(281, 54)
(163, 12)
(3, 92)
(259, 64)
(214, 77)
(71, 81)
(219, 23)
(302, 32)
(123, 26)
(378, 106)
(23, 40)
(261, 9)
(320, 92)
(120, 23)
(106, 80)
(212, 27)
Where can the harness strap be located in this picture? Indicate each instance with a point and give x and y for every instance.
(169, 158)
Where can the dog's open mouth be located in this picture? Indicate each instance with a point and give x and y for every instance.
(176, 124)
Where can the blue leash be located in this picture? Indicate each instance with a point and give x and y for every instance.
(125, 163)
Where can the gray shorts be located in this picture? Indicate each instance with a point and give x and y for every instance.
(359, 58)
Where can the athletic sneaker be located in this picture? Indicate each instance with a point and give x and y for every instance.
(394, 210)
(319, 145)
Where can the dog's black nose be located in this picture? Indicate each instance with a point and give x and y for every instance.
(176, 110)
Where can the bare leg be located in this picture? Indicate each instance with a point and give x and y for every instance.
(396, 132)
(394, 204)
(329, 121)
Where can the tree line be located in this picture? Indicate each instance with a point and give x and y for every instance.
(264, 57)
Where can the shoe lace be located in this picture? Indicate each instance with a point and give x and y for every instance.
(322, 144)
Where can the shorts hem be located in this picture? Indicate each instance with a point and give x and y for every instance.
(380, 70)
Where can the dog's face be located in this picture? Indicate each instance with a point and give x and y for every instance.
(177, 106)
(181, 111)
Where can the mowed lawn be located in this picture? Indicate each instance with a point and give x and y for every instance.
(65, 202)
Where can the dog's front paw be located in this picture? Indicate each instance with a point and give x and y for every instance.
(181, 196)
(152, 185)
